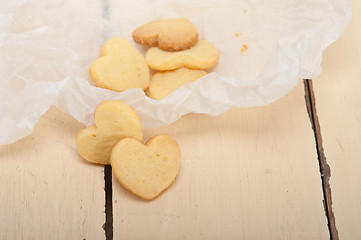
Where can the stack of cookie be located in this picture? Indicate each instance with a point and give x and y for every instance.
(176, 52)
(117, 139)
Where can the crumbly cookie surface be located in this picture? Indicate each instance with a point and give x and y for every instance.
(146, 170)
(203, 55)
(164, 83)
(168, 34)
(120, 66)
(114, 120)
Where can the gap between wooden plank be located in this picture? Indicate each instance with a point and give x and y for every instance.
(324, 167)
(108, 225)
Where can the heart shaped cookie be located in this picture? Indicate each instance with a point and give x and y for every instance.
(202, 56)
(164, 83)
(146, 170)
(114, 120)
(119, 67)
(169, 34)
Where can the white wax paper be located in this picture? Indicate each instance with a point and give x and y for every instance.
(46, 48)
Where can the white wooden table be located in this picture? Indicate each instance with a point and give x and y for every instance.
(247, 174)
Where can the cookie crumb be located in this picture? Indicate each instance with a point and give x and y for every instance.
(244, 48)
(245, 11)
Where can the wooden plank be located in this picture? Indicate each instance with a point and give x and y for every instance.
(247, 174)
(338, 98)
(47, 190)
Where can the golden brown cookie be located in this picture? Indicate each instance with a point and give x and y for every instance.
(146, 170)
(164, 83)
(202, 56)
(114, 120)
(119, 67)
(169, 34)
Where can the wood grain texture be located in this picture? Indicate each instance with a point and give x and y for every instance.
(247, 174)
(338, 102)
(47, 190)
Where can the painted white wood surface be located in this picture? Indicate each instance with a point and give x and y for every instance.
(46, 190)
(338, 103)
(247, 174)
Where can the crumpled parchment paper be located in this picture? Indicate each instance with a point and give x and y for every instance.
(46, 48)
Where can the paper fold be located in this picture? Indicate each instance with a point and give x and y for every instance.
(47, 48)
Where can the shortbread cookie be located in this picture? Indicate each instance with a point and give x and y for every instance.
(169, 34)
(119, 67)
(163, 83)
(114, 120)
(202, 56)
(146, 170)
